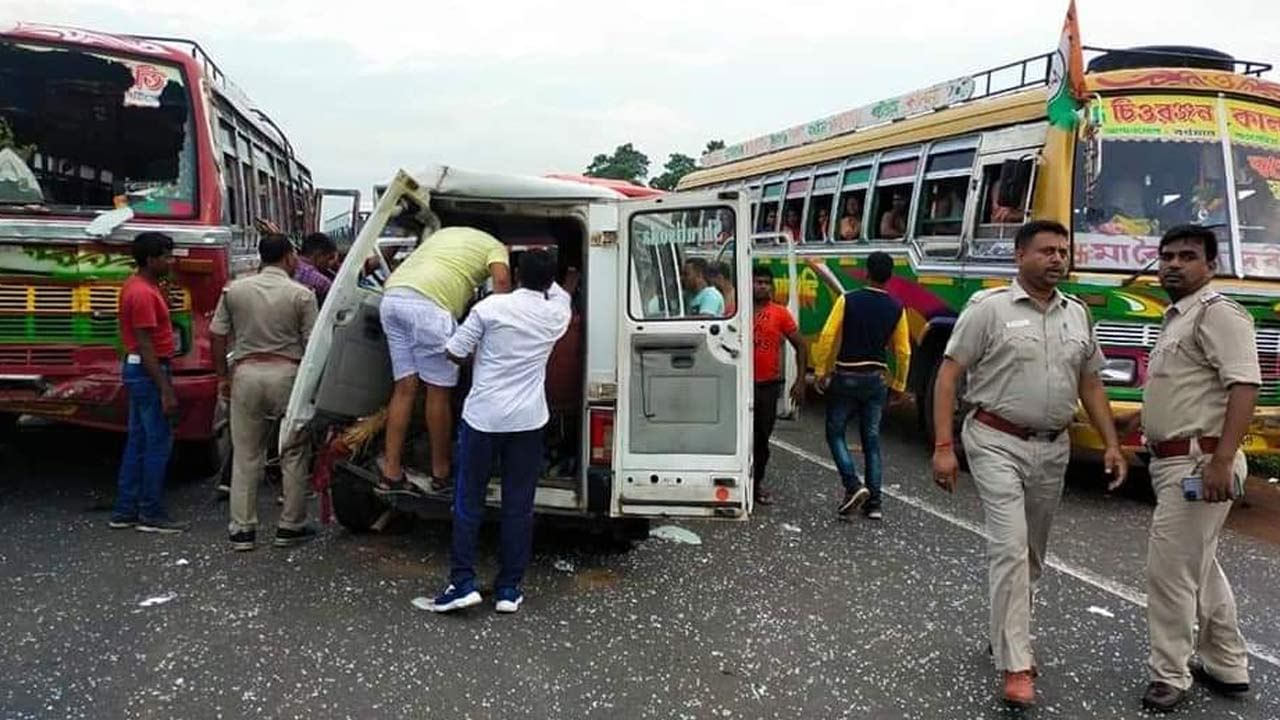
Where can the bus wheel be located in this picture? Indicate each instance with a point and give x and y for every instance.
(624, 531)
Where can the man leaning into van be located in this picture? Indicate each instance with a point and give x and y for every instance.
(426, 296)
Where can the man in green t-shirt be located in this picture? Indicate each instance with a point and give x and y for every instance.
(425, 297)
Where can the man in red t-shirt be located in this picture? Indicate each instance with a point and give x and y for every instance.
(773, 323)
(146, 332)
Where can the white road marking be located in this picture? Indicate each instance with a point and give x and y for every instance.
(1105, 584)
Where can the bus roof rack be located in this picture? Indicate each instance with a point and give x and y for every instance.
(1026, 74)
(219, 78)
(1176, 56)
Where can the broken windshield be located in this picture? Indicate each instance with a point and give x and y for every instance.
(79, 129)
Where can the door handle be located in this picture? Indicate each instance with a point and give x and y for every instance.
(733, 351)
(682, 362)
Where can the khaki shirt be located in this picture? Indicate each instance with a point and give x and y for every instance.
(1025, 364)
(266, 313)
(1206, 345)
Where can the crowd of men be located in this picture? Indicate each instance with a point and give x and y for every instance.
(1026, 352)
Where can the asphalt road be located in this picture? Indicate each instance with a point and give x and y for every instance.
(792, 615)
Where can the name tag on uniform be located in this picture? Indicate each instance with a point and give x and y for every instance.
(1018, 323)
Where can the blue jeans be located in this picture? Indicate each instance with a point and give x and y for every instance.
(862, 395)
(140, 488)
(521, 455)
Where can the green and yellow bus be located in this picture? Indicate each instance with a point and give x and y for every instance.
(942, 179)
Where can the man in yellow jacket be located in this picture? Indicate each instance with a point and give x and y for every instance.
(851, 362)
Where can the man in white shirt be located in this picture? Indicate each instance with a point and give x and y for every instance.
(511, 337)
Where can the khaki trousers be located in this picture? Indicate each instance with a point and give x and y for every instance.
(1185, 583)
(1020, 483)
(259, 392)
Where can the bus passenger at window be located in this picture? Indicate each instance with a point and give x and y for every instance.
(722, 279)
(704, 298)
(791, 224)
(726, 223)
(770, 223)
(822, 223)
(851, 220)
(893, 224)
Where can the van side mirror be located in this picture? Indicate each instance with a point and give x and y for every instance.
(1015, 181)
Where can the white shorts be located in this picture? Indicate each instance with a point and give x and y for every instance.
(417, 330)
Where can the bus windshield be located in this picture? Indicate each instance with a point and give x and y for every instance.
(1159, 162)
(79, 129)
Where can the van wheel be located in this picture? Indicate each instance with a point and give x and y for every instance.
(355, 503)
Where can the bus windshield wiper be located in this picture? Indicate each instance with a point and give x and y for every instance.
(1141, 271)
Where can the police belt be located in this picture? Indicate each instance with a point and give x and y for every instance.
(996, 422)
(1181, 447)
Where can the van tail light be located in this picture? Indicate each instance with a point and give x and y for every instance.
(601, 423)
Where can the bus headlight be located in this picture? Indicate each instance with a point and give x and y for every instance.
(1119, 371)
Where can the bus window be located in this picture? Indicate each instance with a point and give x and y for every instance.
(852, 204)
(791, 224)
(942, 199)
(232, 170)
(892, 199)
(818, 227)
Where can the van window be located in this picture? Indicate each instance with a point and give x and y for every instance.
(682, 264)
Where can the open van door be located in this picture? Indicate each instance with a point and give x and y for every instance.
(682, 442)
(345, 370)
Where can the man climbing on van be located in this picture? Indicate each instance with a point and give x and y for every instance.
(511, 338)
(425, 297)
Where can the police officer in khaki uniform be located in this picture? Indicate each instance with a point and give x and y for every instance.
(1202, 383)
(1030, 354)
(269, 316)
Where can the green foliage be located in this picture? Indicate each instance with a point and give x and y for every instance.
(678, 165)
(626, 163)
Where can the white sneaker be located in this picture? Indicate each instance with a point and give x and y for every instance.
(453, 599)
(509, 600)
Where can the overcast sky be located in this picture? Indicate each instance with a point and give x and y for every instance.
(535, 87)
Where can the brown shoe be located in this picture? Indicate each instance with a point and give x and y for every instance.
(1162, 697)
(1020, 689)
(1220, 687)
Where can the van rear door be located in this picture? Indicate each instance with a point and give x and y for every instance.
(682, 442)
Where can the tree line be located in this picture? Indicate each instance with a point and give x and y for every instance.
(629, 164)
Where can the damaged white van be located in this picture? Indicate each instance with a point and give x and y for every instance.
(650, 398)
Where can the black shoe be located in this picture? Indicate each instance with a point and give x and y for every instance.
(122, 523)
(244, 540)
(1162, 697)
(853, 500)
(872, 511)
(1215, 685)
(164, 527)
(289, 538)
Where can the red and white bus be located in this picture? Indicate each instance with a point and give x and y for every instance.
(151, 129)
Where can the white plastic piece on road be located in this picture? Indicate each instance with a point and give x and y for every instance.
(790, 528)
(421, 603)
(564, 566)
(182, 561)
(675, 534)
(158, 600)
(1094, 609)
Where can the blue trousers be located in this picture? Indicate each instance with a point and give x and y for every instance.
(521, 455)
(140, 487)
(860, 395)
